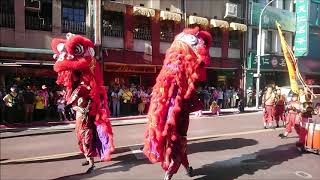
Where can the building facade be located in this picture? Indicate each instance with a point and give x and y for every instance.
(288, 14)
(131, 36)
(26, 31)
(273, 66)
(136, 35)
(307, 40)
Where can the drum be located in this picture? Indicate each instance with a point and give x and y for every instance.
(309, 136)
(313, 136)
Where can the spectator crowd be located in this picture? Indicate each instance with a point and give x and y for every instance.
(31, 103)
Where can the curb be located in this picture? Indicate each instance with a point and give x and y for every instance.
(128, 118)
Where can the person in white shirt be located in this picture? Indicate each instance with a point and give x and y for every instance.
(61, 104)
(220, 98)
(115, 95)
(249, 97)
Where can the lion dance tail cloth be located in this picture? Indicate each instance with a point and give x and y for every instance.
(79, 72)
(173, 98)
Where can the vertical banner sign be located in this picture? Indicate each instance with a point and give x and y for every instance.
(301, 41)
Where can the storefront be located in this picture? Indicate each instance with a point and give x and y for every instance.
(227, 77)
(126, 74)
(273, 71)
(25, 66)
(311, 69)
(23, 75)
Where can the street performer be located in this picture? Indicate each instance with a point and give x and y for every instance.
(279, 113)
(80, 73)
(173, 98)
(268, 102)
(293, 116)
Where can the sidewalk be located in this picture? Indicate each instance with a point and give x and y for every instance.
(114, 121)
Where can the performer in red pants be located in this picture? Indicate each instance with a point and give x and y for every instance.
(173, 98)
(268, 102)
(79, 72)
(279, 113)
(293, 117)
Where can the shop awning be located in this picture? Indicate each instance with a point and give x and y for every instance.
(166, 15)
(219, 23)
(141, 11)
(117, 7)
(309, 66)
(26, 50)
(238, 27)
(129, 68)
(198, 20)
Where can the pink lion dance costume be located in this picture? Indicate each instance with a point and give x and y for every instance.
(173, 98)
(79, 72)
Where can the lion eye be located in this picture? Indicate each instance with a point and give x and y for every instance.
(78, 50)
(192, 40)
(202, 64)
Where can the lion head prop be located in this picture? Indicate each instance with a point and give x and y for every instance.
(183, 66)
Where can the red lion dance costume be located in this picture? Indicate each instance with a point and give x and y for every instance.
(79, 72)
(173, 98)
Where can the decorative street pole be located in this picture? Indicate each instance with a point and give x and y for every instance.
(259, 56)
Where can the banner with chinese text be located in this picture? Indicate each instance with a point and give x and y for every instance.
(267, 62)
(301, 40)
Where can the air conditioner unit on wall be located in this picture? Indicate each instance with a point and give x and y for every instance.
(32, 5)
(231, 10)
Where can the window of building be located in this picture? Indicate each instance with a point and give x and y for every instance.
(167, 30)
(39, 19)
(235, 1)
(7, 13)
(202, 27)
(112, 23)
(314, 14)
(234, 41)
(268, 42)
(254, 39)
(74, 16)
(142, 28)
(216, 34)
(261, 1)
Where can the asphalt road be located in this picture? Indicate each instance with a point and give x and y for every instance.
(226, 147)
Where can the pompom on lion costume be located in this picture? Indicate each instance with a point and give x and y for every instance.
(79, 72)
(173, 98)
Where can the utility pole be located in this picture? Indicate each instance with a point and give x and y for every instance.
(259, 55)
(184, 11)
(245, 49)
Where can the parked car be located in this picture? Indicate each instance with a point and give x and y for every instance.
(286, 90)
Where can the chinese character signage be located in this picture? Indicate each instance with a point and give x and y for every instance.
(301, 40)
(286, 18)
(267, 62)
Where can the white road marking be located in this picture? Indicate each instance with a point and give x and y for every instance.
(303, 174)
(135, 147)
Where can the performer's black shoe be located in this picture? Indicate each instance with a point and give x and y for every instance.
(190, 171)
(282, 136)
(85, 163)
(265, 127)
(277, 125)
(298, 144)
(167, 176)
(90, 169)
